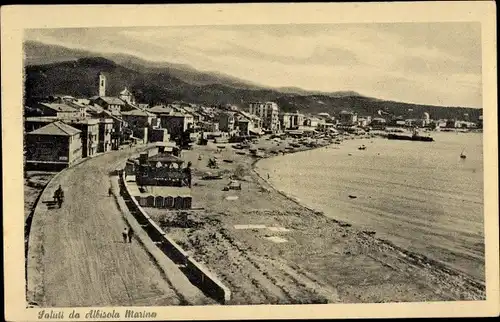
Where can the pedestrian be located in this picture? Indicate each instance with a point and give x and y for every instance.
(268, 176)
(110, 191)
(130, 235)
(125, 234)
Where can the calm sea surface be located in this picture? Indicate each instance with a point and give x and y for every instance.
(419, 195)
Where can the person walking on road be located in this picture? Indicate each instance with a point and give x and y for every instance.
(130, 235)
(125, 234)
(110, 192)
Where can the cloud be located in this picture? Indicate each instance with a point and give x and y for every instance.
(431, 63)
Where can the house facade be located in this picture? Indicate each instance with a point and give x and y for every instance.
(176, 123)
(348, 118)
(89, 134)
(105, 132)
(227, 121)
(112, 104)
(53, 146)
(268, 113)
(290, 121)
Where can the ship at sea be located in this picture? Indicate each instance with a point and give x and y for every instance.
(413, 137)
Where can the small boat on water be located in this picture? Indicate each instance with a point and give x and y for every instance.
(413, 137)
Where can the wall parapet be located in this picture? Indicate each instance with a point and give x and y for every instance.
(199, 275)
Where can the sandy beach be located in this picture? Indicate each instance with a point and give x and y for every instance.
(270, 249)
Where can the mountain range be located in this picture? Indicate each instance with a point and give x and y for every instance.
(51, 69)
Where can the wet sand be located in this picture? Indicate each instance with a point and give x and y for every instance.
(295, 254)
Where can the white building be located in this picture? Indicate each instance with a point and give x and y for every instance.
(268, 113)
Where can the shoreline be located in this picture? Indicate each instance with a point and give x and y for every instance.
(316, 261)
(370, 233)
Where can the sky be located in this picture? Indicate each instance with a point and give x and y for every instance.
(425, 63)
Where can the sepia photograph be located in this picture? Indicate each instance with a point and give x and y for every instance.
(257, 164)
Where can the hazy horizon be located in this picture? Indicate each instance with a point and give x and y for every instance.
(423, 63)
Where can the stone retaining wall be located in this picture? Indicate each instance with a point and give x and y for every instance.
(196, 273)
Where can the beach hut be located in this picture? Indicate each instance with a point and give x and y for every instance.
(187, 202)
(169, 202)
(150, 201)
(159, 202)
(178, 202)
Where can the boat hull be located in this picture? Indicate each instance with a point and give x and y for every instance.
(410, 138)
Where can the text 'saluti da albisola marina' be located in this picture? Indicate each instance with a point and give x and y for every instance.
(185, 180)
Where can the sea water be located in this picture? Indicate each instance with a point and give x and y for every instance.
(419, 195)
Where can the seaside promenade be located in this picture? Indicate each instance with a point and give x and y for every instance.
(76, 253)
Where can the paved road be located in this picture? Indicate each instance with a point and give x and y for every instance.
(83, 260)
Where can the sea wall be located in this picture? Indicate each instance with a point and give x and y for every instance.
(196, 273)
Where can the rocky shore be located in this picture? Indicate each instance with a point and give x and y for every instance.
(270, 249)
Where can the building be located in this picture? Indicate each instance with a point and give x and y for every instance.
(89, 134)
(209, 126)
(112, 104)
(348, 118)
(105, 132)
(81, 108)
(176, 123)
(139, 119)
(127, 97)
(227, 121)
(290, 121)
(59, 110)
(140, 122)
(160, 110)
(326, 127)
(313, 121)
(378, 123)
(364, 121)
(415, 123)
(158, 135)
(32, 123)
(163, 169)
(117, 134)
(101, 79)
(268, 113)
(53, 146)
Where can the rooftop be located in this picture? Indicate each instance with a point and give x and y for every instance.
(160, 109)
(112, 100)
(48, 119)
(58, 107)
(164, 157)
(56, 128)
(137, 113)
(95, 109)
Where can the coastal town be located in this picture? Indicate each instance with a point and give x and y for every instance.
(181, 177)
(61, 129)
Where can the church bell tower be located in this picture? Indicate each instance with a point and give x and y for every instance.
(102, 84)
